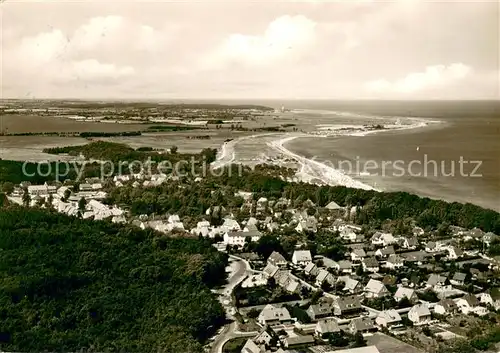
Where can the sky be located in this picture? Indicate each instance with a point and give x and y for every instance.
(206, 49)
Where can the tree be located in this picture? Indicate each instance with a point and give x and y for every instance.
(49, 201)
(26, 198)
(316, 296)
(337, 339)
(81, 205)
(67, 194)
(266, 245)
(253, 314)
(8, 187)
(173, 149)
(359, 340)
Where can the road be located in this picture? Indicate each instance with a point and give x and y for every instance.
(230, 331)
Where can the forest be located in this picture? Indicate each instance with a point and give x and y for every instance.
(68, 284)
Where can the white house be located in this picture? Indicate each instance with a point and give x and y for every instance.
(382, 239)
(230, 225)
(276, 259)
(301, 257)
(272, 315)
(394, 262)
(41, 190)
(375, 289)
(358, 254)
(238, 238)
(454, 252)
(446, 307)
(388, 318)
(370, 264)
(306, 226)
(324, 276)
(419, 314)
(404, 292)
(470, 304)
(202, 228)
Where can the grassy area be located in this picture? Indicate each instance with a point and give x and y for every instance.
(234, 346)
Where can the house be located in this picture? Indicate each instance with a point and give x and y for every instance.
(385, 252)
(404, 292)
(41, 190)
(235, 238)
(485, 298)
(296, 341)
(436, 281)
(409, 243)
(321, 310)
(458, 279)
(311, 269)
(419, 314)
(230, 225)
(382, 239)
(276, 259)
(333, 206)
(417, 257)
(470, 304)
(324, 276)
(301, 257)
(306, 226)
(343, 266)
(174, 222)
(272, 315)
(370, 264)
(446, 307)
(266, 336)
(251, 347)
(348, 234)
(270, 270)
(352, 286)
(433, 246)
(324, 327)
(361, 324)
(358, 254)
(375, 289)
(388, 318)
(347, 305)
(202, 228)
(394, 262)
(293, 286)
(238, 238)
(454, 252)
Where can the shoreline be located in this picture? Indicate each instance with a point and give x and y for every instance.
(310, 170)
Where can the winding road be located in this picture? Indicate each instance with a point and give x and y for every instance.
(230, 331)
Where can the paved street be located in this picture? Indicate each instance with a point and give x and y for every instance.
(242, 270)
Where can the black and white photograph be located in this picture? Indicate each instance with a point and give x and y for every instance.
(250, 176)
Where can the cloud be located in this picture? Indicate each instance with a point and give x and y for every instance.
(93, 70)
(285, 36)
(329, 49)
(432, 77)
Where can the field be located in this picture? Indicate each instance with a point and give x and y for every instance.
(387, 344)
(18, 123)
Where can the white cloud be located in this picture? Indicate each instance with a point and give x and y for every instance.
(432, 77)
(93, 70)
(285, 36)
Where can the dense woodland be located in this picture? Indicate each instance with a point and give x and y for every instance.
(67, 284)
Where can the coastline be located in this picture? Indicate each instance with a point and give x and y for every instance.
(311, 170)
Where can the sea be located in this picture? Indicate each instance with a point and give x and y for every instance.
(455, 157)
